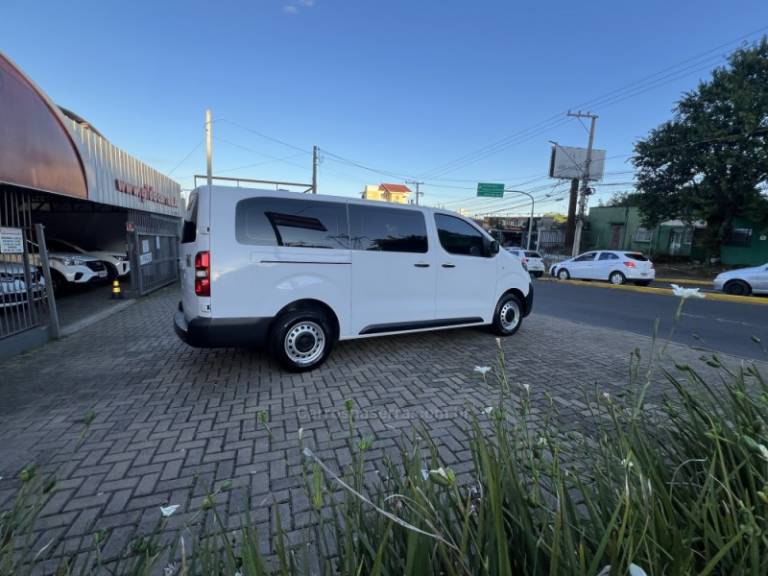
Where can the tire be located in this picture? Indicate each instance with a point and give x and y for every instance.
(563, 274)
(111, 272)
(643, 283)
(508, 316)
(301, 340)
(617, 278)
(737, 288)
(59, 282)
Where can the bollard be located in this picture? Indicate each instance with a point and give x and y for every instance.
(117, 293)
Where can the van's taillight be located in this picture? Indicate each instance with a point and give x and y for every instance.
(629, 264)
(203, 273)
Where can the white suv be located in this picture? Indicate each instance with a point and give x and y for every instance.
(71, 267)
(297, 272)
(116, 259)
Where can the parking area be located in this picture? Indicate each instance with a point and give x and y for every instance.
(170, 421)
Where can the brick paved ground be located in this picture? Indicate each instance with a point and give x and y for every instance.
(172, 420)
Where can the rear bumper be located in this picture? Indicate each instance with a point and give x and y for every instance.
(221, 332)
(635, 274)
(528, 300)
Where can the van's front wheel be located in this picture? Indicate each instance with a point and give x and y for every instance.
(508, 316)
(301, 340)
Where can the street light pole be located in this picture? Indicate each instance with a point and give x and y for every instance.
(530, 221)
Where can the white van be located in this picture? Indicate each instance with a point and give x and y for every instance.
(296, 272)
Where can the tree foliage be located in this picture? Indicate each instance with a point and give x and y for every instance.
(710, 162)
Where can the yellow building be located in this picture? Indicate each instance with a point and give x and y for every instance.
(397, 193)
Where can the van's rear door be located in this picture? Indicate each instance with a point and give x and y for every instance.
(194, 239)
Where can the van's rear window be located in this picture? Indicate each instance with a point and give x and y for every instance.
(289, 222)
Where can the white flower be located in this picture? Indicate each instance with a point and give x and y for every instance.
(488, 409)
(686, 292)
(168, 510)
(527, 387)
(482, 369)
(169, 570)
(498, 341)
(301, 433)
(606, 396)
(635, 570)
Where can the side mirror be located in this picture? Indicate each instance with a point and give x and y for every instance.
(493, 248)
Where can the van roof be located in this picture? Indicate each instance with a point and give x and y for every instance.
(255, 192)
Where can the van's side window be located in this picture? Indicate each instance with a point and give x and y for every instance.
(189, 229)
(459, 237)
(387, 229)
(288, 222)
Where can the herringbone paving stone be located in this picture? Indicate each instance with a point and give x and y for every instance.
(173, 423)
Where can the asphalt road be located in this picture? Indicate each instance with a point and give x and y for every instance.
(711, 325)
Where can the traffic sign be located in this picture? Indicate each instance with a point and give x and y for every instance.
(490, 190)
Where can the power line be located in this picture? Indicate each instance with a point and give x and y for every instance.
(172, 170)
(666, 75)
(267, 137)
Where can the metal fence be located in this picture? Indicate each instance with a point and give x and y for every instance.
(153, 243)
(23, 298)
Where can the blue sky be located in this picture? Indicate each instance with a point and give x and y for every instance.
(402, 86)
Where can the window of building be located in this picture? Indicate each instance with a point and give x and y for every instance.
(294, 223)
(387, 229)
(738, 237)
(643, 235)
(459, 237)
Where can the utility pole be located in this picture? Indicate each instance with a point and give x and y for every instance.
(208, 147)
(570, 225)
(584, 180)
(314, 169)
(418, 188)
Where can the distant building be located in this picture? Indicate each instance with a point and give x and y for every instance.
(397, 193)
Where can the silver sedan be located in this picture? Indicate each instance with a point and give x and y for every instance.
(744, 281)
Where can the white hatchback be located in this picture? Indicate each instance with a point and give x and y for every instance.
(617, 267)
(532, 260)
(296, 272)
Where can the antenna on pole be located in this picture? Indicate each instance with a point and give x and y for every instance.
(208, 147)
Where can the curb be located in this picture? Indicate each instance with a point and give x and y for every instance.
(83, 323)
(694, 281)
(661, 291)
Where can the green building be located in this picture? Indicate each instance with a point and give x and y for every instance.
(621, 228)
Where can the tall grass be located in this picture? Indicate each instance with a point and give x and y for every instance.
(678, 487)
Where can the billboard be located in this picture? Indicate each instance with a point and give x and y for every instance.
(568, 162)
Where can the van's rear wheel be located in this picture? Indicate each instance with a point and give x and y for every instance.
(301, 340)
(508, 316)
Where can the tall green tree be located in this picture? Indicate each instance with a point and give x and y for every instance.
(710, 162)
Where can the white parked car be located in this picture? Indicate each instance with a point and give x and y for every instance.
(297, 272)
(615, 266)
(13, 284)
(531, 259)
(116, 259)
(69, 266)
(744, 281)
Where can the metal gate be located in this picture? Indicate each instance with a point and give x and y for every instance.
(153, 244)
(24, 304)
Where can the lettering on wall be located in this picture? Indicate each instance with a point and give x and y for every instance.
(145, 193)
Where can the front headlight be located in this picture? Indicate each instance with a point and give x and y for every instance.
(69, 260)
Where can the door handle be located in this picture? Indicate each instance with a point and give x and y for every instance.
(421, 265)
(449, 265)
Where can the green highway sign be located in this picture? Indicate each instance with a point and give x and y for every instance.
(490, 190)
